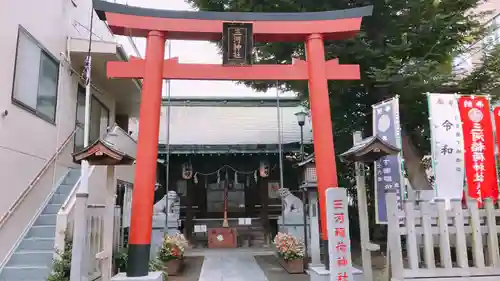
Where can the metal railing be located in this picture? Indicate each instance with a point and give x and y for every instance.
(35, 181)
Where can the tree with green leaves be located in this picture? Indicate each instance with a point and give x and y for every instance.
(405, 48)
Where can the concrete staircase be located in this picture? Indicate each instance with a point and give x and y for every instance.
(32, 260)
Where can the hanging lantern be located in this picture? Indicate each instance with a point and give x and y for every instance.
(264, 169)
(255, 176)
(235, 177)
(187, 171)
(195, 178)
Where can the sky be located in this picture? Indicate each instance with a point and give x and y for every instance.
(193, 52)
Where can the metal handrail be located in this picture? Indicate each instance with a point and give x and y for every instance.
(69, 200)
(35, 181)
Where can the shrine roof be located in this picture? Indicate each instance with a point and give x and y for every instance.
(243, 124)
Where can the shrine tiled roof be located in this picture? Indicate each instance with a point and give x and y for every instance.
(199, 122)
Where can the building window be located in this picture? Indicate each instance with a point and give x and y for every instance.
(35, 77)
(99, 119)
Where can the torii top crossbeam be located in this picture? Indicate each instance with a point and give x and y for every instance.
(187, 25)
(207, 26)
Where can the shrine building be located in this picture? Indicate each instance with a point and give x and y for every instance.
(231, 143)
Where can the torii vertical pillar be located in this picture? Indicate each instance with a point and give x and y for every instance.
(326, 168)
(139, 243)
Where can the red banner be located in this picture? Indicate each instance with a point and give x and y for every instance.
(496, 114)
(479, 152)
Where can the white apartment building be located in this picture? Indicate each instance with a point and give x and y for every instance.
(42, 100)
(475, 53)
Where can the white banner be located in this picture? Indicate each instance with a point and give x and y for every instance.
(447, 146)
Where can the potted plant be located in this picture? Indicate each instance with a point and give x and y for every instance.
(62, 264)
(290, 251)
(171, 253)
(121, 261)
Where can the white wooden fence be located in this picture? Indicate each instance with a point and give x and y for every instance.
(95, 237)
(440, 242)
(95, 241)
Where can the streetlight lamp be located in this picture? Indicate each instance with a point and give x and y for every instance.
(301, 120)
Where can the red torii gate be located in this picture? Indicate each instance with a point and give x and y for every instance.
(157, 25)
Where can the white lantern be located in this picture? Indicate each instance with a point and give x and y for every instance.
(264, 169)
(187, 171)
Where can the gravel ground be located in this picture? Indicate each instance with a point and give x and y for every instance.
(191, 271)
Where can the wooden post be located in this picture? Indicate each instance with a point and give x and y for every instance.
(429, 259)
(444, 234)
(264, 211)
(394, 238)
(225, 222)
(363, 214)
(107, 258)
(411, 240)
(477, 237)
(188, 223)
(460, 242)
(314, 229)
(493, 252)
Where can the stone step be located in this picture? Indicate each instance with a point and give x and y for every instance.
(31, 258)
(42, 231)
(24, 273)
(37, 244)
(72, 177)
(58, 198)
(65, 189)
(46, 219)
(51, 209)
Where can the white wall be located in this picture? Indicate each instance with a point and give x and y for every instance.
(466, 62)
(27, 142)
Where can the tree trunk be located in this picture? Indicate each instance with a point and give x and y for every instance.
(413, 163)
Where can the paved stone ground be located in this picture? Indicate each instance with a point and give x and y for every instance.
(274, 271)
(231, 266)
(191, 270)
(251, 265)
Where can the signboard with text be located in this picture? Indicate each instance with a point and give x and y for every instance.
(237, 43)
(339, 242)
(388, 172)
(447, 146)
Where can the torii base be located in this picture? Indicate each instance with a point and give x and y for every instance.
(320, 273)
(152, 276)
